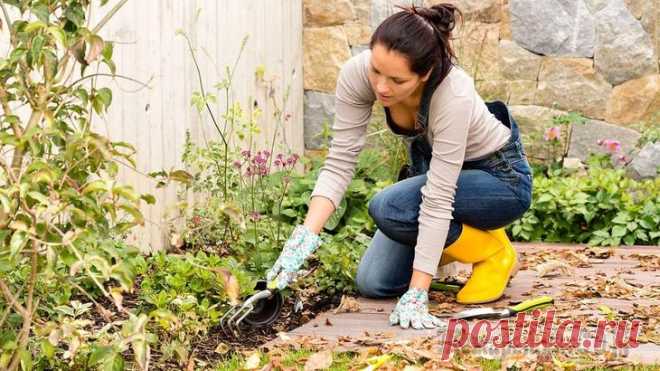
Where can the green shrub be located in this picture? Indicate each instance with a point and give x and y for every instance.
(602, 207)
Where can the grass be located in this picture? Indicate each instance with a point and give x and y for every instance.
(343, 361)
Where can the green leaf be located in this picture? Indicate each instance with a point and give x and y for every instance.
(58, 35)
(17, 243)
(544, 198)
(26, 360)
(6, 204)
(138, 218)
(107, 51)
(99, 353)
(619, 231)
(41, 11)
(39, 197)
(181, 176)
(336, 217)
(126, 192)
(149, 199)
(95, 186)
(37, 45)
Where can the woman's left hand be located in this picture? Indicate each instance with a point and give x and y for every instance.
(412, 309)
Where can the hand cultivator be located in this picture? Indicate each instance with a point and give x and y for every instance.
(259, 310)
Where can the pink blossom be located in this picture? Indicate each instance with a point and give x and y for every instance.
(237, 164)
(246, 153)
(255, 216)
(552, 134)
(611, 145)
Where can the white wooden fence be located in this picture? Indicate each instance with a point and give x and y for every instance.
(155, 120)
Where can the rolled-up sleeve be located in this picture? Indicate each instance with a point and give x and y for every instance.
(449, 124)
(353, 105)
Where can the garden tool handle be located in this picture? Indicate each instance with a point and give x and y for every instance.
(530, 304)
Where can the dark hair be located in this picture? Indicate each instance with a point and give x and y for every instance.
(422, 34)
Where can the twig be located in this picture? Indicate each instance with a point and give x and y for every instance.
(11, 299)
(143, 85)
(109, 15)
(5, 13)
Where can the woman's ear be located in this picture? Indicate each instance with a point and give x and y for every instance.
(428, 74)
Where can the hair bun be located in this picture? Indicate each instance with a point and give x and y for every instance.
(442, 16)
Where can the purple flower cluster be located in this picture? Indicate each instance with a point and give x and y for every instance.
(288, 163)
(257, 164)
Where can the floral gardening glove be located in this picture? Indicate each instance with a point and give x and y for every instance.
(297, 248)
(412, 308)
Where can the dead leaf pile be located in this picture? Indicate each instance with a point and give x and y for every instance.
(648, 262)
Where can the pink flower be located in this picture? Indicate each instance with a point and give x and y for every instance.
(287, 117)
(611, 145)
(552, 134)
(237, 164)
(255, 216)
(246, 153)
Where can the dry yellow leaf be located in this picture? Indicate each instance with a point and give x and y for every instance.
(319, 361)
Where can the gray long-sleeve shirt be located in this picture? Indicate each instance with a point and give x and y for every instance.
(460, 128)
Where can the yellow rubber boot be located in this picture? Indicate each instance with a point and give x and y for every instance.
(492, 260)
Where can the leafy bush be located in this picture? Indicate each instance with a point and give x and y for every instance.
(602, 207)
(186, 295)
(62, 212)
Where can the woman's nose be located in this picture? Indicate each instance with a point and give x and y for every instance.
(382, 88)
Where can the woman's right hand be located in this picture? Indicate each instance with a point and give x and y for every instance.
(300, 245)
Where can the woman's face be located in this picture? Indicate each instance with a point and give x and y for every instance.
(390, 76)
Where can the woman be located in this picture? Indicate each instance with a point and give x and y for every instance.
(467, 178)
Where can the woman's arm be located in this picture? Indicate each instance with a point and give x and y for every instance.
(353, 103)
(320, 210)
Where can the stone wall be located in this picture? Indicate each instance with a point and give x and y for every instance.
(599, 58)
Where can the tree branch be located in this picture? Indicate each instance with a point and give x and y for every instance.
(11, 299)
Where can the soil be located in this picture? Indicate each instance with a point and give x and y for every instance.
(251, 338)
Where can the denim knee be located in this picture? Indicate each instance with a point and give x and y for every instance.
(375, 208)
(370, 286)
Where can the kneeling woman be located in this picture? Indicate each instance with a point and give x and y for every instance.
(467, 178)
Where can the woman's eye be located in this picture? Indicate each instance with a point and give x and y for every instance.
(398, 82)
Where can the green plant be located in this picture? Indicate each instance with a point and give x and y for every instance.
(604, 207)
(186, 295)
(62, 211)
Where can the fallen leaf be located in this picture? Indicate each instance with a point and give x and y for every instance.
(319, 361)
(599, 252)
(222, 348)
(230, 283)
(552, 268)
(376, 361)
(176, 240)
(347, 304)
(327, 322)
(252, 362)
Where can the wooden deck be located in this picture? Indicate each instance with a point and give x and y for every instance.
(626, 280)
